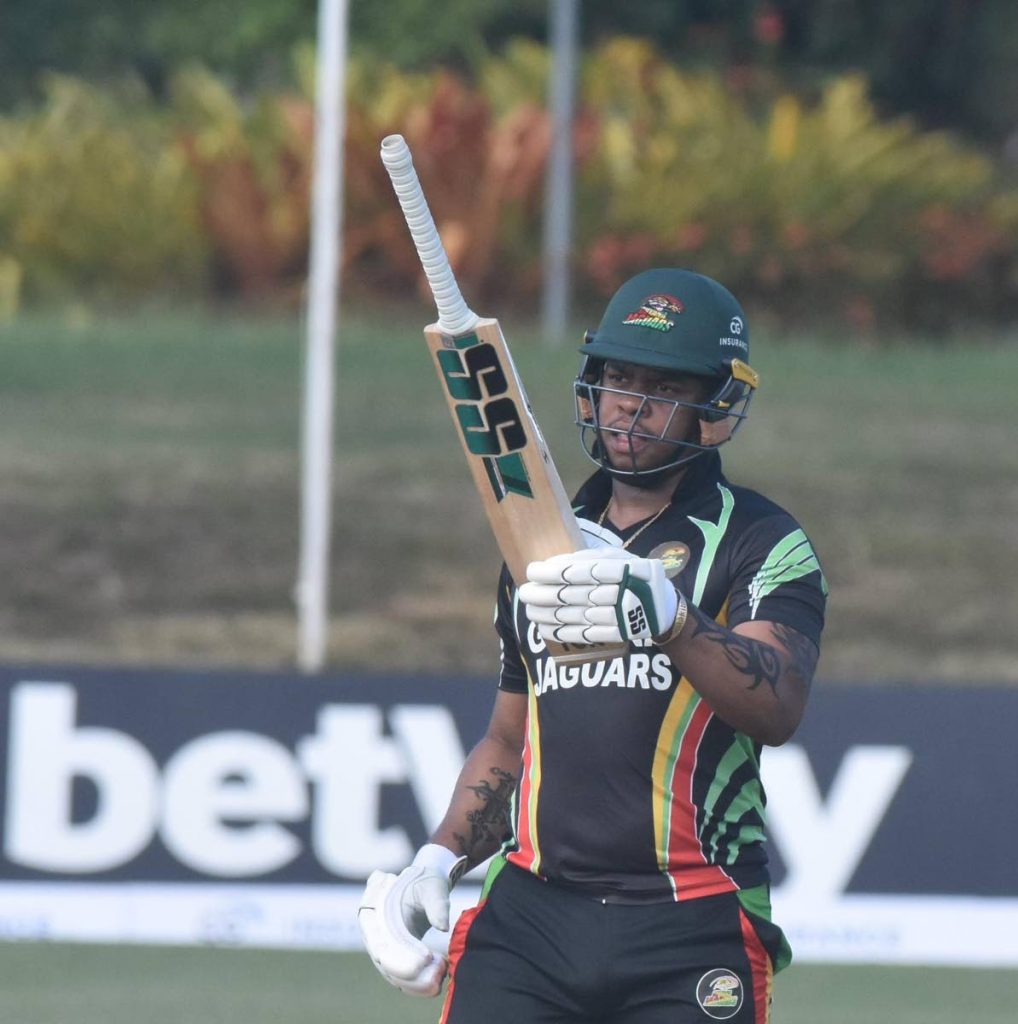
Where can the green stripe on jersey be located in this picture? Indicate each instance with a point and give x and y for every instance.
(735, 757)
(498, 862)
(712, 535)
(791, 558)
(750, 798)
(715, 830)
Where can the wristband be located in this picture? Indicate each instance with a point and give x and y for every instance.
(681, 611)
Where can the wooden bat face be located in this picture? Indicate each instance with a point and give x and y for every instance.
(523, 497)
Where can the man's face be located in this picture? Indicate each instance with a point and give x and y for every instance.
(642, 400)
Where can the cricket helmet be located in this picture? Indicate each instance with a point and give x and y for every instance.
(677, 320)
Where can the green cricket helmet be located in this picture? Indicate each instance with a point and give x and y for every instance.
(677, 320)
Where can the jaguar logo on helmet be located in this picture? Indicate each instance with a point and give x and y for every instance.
(653, 312)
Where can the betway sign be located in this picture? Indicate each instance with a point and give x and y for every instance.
(223, 803)
(239, 798)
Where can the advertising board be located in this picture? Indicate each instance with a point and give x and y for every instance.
(246, 808)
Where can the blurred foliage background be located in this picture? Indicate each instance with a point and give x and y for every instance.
(949, 62)
(849, 168)
(832, 161)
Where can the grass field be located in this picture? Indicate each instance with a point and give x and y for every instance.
(60, 984)
(151, 480)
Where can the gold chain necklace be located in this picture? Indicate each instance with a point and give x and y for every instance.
(650, 522)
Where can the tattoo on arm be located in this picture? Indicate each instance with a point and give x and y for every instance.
(802, 652)
(489, 823)
(760, 662)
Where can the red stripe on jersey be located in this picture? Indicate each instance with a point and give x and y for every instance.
(525, 856)
(691, 875)
(760, 969)
(457, 945)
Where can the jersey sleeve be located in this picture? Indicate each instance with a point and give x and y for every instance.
(777, 577)
(512, 672)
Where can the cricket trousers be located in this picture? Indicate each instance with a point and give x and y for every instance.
(532, 952)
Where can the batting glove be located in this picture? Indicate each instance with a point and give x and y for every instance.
(396, 911)
(599, 596)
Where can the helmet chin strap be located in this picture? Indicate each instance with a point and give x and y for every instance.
(646, 480)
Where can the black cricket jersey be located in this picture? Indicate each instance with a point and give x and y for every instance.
(632, 789)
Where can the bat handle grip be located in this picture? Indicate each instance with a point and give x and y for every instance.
(454, 315)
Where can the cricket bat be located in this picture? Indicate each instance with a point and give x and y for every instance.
(521, 491)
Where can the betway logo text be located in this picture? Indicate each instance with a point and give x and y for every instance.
(221, 804)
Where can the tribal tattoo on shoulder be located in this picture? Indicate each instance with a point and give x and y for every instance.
(489, 824)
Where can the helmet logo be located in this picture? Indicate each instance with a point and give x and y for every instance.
(736, 325)
(654, 313)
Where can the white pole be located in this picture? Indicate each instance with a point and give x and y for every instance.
(558, 193)
(323, 303)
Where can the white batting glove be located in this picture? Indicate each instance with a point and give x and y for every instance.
(396, 911)
(599, 596)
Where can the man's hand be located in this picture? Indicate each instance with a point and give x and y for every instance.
(599, 596)
(396, 911)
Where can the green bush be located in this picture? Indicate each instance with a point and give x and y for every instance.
(95, 196)
(252, 166)
(816, 209)
(821, 209)
(480, 152)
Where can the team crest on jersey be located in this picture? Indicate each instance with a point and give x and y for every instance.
(655, 313)
(719, 993)
(674, 555)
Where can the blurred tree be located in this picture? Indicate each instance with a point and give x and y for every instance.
(460, 33)
(952, 63)
(251, 41)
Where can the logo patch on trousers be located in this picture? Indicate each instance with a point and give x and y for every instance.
(719, 993)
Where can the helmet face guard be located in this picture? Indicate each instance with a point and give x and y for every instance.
(719, 417)
(674, 321)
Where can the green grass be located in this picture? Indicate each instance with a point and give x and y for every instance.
(151, 494)
(68, 984)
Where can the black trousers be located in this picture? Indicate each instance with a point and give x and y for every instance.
(535, 953)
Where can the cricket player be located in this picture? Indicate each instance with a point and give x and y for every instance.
(622, 797)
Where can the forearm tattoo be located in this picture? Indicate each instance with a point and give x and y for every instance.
(759, 662)
(489, 823)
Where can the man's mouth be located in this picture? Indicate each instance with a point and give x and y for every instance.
(625, 443)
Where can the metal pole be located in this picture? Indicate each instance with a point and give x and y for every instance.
(558, 194)
(323, 304)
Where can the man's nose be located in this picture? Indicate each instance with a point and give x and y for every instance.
(633, 405)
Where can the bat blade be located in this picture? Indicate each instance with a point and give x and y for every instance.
(521, 491)
(527, 507)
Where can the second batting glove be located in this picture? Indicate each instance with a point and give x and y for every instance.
(396, 911)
